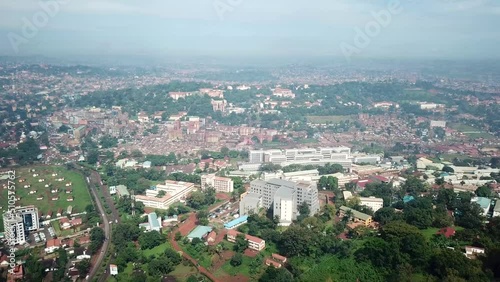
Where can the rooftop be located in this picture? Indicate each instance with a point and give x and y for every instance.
(482, 201)
(199, 232)
(355, 213)
(153, 220)
(235, 222)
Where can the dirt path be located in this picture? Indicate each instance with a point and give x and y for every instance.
(176, 247)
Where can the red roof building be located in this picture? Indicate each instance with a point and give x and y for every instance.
(254, 243)
(447, 232)
(270, 262)
(279, 258)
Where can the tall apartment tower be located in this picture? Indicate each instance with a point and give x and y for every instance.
(286, 196)
(19, 222)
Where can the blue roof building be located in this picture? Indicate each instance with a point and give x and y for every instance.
(236, 222)
(408, 198)
(484, 203)
(154, 223)
(199, 232)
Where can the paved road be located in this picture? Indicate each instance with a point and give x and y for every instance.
(93, 181)
(114, 217)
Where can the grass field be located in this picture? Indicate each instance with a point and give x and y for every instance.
(156, 250)
(327, 119)
(471, 131)
(80, 193)
(429, 232)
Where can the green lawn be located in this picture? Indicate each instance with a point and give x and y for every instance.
(327, 119)
(471, 131)
(182, 272)
(79, 188)
(156, 250)
(243, 269)
(429, 232)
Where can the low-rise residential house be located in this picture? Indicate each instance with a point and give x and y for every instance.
(275, 264)
(254, 243)
(16, 274)
(113, 269)
(52, 245)
(279, 258)
(64, 223)
(356, 216)
(472, 252)
(446, 232)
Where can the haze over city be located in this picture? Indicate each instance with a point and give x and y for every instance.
(249, 140)
(461, 29)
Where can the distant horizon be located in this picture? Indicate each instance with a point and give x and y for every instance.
(350, 30)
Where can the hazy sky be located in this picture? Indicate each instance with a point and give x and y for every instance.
(424, 28)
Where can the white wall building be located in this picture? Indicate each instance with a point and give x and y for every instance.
(285, 197)
(220, 184)
(174, 191)
(496, 209)
(318, 156)
(374, 203)
(19, 221)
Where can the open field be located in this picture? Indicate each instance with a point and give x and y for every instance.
(429, 232)
(50, 201)
(471, 131)
(327, 119)
(158, 250)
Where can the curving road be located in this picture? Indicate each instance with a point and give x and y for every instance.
(114, 217)
(96, 181)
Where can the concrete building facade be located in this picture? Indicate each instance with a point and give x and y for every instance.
(284, 197)
(220, 184)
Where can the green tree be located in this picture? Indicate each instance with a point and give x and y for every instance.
(83, 267)
(241, 243)
(151, 239)
(93, 157)
(97, 237)
(386, 215)
(484, 191)
(276, 275)
(304, 211)
(236, 259)
(34, 270)
(448, 169)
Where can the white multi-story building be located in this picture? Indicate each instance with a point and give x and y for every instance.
(284, 196)
(250, 203)
(174, 191)
(374, 203)
(220, 184)
(18, 222)
(438, 123)
(312, 156)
